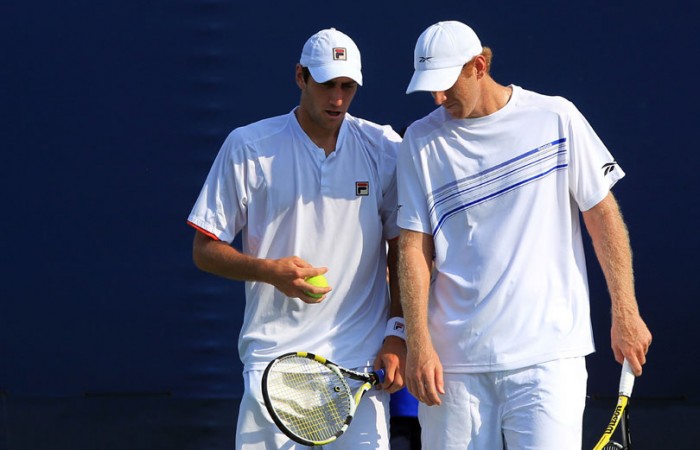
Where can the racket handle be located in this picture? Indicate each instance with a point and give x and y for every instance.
(380, 375)
(626, 379)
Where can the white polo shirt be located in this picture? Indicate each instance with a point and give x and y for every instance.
(274, 185)
(501, 197)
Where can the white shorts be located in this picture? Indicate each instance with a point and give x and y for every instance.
(256, 430)
(538, 407)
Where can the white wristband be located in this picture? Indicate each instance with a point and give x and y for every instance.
(396, 327)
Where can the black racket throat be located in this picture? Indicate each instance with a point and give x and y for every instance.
(625, 429)
(620, 426)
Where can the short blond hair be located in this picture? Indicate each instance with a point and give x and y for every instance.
(488, 55)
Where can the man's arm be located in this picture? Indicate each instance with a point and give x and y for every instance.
(630, 337)
(392, 261)
(392, 355)
(423, 366)
(286, 274)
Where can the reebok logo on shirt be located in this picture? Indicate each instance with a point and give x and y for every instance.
(608, 167)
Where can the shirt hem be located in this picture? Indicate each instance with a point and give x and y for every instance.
(513, 365)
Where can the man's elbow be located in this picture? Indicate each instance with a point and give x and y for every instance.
(199, 260)
(201, 252)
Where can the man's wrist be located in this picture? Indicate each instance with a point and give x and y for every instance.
(396, 326)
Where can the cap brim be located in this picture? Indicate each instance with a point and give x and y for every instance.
(324, 73)
(434, 80)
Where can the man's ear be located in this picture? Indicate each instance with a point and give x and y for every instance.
(299, 76)
(480, 66)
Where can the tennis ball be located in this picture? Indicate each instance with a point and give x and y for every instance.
(319, 281)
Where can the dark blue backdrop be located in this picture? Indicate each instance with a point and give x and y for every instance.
(113, 111)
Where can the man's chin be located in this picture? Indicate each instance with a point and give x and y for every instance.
(453, 112)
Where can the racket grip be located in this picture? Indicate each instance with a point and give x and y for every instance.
(626, 379)
(380, 376)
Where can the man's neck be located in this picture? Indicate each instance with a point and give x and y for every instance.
(323, 138)
(495, 96)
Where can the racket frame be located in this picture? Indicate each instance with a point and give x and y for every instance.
(370, 379)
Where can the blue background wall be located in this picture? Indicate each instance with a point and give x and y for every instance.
(113, 111)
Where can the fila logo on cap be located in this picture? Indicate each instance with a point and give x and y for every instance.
(339, 54)
(361, 188)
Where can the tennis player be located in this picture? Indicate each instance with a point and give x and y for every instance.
(313, 192)
(491, 185)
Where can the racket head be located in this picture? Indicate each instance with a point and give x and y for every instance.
(307, 397)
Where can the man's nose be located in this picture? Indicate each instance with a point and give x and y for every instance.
(337, 97)
(439, 97)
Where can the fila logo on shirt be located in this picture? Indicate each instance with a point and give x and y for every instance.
(362, 188)
(339, 54)
(608, 167)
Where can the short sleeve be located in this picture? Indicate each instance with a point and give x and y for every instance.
(593, 170)
(413, 208)
(388, 211)
(221, 206)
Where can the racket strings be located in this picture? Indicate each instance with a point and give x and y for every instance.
(310, 399)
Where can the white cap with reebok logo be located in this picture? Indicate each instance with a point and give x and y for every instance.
(441, 52)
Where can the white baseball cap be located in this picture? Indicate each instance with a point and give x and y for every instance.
(331, 54)
(441, 52)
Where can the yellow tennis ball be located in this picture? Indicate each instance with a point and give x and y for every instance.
(319, 281)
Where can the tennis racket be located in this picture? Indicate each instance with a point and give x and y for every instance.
(620, 416)
(309, 397)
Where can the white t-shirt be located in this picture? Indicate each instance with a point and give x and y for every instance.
(274, 185)
(501, 196)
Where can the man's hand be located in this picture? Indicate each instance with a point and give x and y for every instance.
(392, 358)
(630, 339)
(289, 276)
(424, 374)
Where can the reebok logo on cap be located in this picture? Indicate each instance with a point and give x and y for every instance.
(440, 53)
